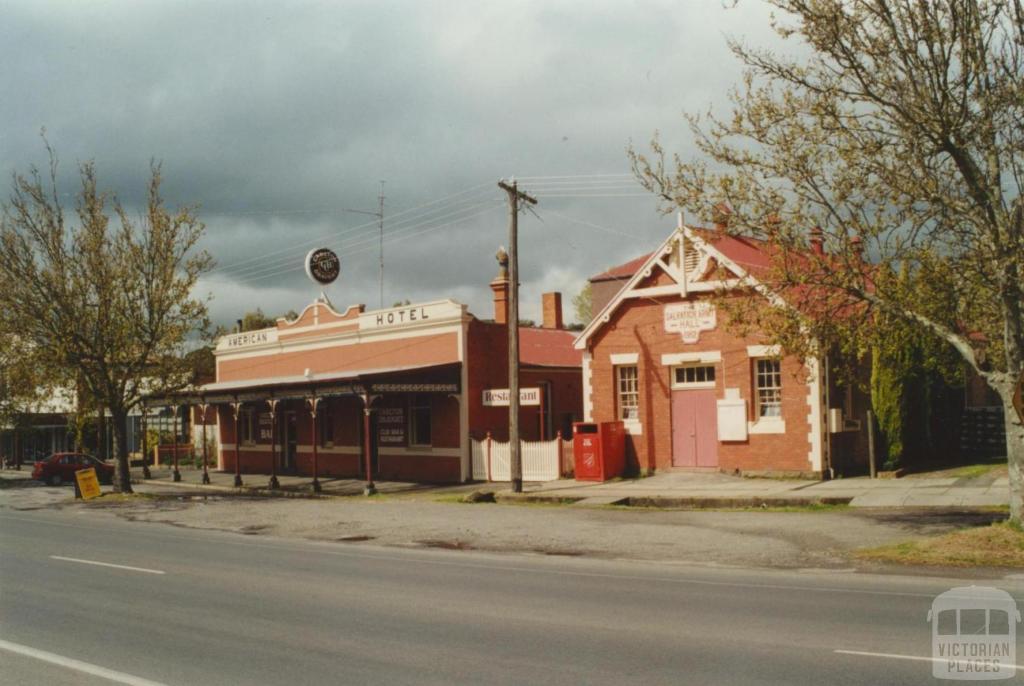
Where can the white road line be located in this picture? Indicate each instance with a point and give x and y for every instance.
(77, 665)
(917, 658)
(107, 564)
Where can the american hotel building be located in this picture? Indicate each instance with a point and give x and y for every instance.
(691, 393)
(401, 386)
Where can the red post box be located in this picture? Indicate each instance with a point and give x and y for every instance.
(598, 450)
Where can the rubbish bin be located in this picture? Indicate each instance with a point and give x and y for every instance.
(598, 450)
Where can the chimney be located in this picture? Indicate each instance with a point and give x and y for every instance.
(552, 305)
(720, 215)
(500, 286)
(817, 241)
(857, 247)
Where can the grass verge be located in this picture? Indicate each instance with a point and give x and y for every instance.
(998, 545)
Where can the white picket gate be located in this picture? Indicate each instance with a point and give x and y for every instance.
(542, 460)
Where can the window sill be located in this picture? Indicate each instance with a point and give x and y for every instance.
(633, 427)
(767, 425)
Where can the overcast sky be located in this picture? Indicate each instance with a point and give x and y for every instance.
(275, 117)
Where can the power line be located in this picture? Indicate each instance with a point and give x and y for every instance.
(290, 255)
(368, 244)
(312, 241)
(575, 176)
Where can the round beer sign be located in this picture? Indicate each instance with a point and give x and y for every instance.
(322, 266)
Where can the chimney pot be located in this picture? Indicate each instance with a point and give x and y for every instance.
(720, 215)
(857, 246)
(552, 306)
(817, 241)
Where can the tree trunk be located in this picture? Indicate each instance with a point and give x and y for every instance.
(122, 471)
(1014, 457)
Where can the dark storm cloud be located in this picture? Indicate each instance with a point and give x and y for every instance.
(275, 116)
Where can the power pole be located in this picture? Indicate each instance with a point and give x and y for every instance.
(515, 458)
(379, 214)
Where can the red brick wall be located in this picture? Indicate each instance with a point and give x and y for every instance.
(638, 327)
(488, 368)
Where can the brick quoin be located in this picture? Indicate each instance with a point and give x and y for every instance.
(639, 328)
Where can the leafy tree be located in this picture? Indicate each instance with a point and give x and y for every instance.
(582, 304)
(898, 129)
(107, 298)
(255, 320)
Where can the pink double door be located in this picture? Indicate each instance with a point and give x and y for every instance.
(694, 429)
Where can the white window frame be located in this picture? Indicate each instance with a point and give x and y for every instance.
(758, 417)
(693, 385)
(620, 394)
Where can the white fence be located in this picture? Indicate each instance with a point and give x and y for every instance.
(542, 460)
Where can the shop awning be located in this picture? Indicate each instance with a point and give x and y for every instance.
(378, 380)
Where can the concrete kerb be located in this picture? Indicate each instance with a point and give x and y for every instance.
(671, 502)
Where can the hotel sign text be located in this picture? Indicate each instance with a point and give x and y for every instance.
(410, 315)
(247, 339)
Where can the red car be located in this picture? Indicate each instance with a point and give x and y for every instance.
(61, 467)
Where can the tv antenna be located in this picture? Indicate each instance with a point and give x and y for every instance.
(379, 214)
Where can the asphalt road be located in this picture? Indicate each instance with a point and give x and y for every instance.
(201, 607)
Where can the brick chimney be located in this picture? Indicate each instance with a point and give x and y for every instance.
(720, 215)
(500, 286)
(817, 241)
(552, 305)
(857, 247)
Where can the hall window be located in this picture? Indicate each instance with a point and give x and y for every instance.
(627, 387)
(768, 387)
(419, 419)
(694, 376)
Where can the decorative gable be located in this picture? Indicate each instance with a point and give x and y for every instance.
(685, 263)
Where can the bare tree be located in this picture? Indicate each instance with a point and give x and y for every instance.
(107, 300)
(898, 130)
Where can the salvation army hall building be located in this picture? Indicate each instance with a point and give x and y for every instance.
(692, 393)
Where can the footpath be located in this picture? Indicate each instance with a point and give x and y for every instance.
(671, 489)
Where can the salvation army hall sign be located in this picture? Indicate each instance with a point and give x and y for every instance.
(689, 319)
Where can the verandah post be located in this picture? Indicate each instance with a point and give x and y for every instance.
(236, 411)
(314, 403)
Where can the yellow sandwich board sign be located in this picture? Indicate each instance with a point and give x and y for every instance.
(88, 484)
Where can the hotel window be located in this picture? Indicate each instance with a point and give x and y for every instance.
(419, 419)
(325, 424)
(768, 386)
(694, 376)
(246, 423)
(628, 392)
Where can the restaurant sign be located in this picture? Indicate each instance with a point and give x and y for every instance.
(499, 397)
(689, 319)
(391, 426)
